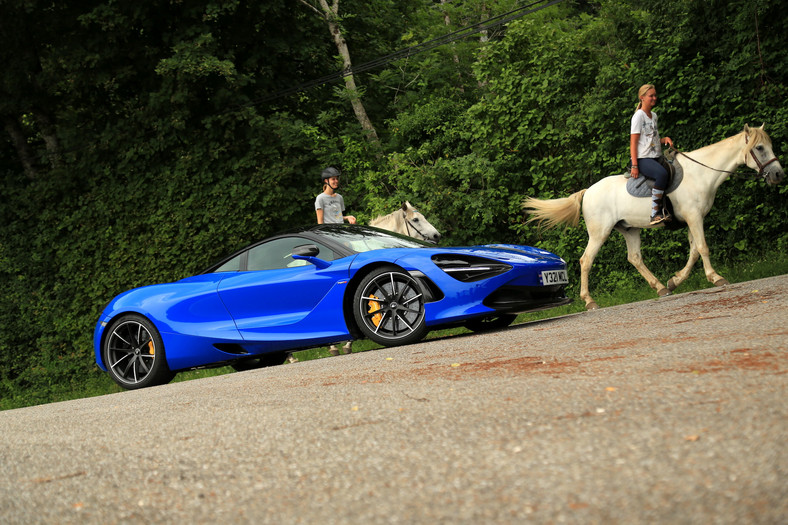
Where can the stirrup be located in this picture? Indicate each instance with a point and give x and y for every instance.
(656, 219)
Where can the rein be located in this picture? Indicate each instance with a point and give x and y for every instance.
(761, 166)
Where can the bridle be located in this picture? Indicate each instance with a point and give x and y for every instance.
(409, 224)
(761, 165)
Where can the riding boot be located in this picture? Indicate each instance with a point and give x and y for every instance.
(657, 215)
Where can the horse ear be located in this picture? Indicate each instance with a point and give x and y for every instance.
(405, 206)
(762, 125)
(747, 129)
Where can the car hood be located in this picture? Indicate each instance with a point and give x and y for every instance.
(513, 253)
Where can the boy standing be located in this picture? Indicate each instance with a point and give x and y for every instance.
(329, 207)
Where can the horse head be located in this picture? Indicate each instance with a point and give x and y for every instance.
(417, 226)
(759, 156)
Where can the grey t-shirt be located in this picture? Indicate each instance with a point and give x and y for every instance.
(332, 205)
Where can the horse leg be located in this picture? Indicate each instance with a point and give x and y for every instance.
(696, 230)
(634, 256)
(595, 242)
(682, 274)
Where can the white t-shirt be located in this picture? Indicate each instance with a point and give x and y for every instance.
(332, 206)
(649, 146)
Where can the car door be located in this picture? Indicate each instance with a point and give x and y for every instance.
(279, 298)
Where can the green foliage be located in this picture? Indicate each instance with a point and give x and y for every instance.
(151, 154)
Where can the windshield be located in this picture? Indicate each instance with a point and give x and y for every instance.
(367, 239)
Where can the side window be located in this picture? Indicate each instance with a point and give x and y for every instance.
(277, 254)
(233, 265)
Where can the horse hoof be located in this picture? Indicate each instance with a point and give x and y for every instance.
(672, 284)
(662, 292)
(592, 306)
(721, 282)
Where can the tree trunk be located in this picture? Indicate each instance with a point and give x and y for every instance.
(447, 23)
(331, 15)
(50, 138)
(14, 130)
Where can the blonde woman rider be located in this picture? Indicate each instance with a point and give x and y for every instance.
(645, 147)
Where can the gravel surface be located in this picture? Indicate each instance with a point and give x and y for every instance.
(663, 411)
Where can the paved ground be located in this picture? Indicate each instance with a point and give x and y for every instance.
(600, 417)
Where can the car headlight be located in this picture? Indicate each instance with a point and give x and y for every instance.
(468, 268)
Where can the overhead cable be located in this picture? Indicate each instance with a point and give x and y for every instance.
(409, 51)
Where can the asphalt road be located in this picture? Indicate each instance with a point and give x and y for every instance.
(665, 411)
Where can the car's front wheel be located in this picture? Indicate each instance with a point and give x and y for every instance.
(134, 353)
(388, 307)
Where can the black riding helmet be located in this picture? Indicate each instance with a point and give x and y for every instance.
(328, 173)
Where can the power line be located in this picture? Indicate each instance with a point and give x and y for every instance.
(387, 59)
(407, 52)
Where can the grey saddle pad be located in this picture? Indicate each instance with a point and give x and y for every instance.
(642, 186)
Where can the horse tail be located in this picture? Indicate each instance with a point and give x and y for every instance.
(552, 212)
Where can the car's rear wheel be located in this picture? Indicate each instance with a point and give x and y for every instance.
(493, 322)
(134, 353)
(260, 361)
(388, 307)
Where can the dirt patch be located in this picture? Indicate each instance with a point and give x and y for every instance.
(731, 303)
(463, 370)
(513, 366)
(629, 343)
(765, 361)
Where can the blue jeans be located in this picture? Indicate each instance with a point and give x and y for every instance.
(652, 169)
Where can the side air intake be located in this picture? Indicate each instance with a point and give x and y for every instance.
(468, 268)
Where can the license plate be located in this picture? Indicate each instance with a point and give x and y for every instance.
(554, 277)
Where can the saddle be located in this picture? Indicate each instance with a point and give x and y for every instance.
(642, 186)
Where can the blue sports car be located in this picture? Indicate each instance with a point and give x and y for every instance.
(316, 286)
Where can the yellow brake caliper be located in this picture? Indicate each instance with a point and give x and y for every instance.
(374, 306)
(151, 350)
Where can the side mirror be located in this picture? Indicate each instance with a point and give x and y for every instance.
(308, 252)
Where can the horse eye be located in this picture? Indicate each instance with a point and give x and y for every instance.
(759, 147)
(415, 219)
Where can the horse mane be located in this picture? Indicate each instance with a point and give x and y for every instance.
(407, 207)
(755, 136)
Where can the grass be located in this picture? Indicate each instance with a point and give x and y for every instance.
(631, 290)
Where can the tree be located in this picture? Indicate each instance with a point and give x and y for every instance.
(330, 13)
(28, 30)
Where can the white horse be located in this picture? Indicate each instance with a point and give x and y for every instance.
(606, 206)
(407, 221)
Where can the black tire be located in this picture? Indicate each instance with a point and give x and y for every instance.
(493, 322)
(260, 361)
(388, 307)
(134, 353)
